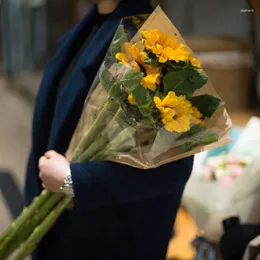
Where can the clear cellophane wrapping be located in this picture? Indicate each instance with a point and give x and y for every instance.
(153, 153)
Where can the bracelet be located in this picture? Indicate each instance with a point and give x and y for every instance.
(67, 187)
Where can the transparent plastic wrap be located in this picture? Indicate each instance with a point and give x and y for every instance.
(151, 102)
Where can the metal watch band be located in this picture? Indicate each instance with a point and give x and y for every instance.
(68, 178)
(67, 187)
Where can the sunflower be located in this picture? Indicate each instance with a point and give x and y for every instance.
(177, 113)
(152, 78)
(132, 56)
(164, 46)
(195, 62)
(135, 58)
(196, 116)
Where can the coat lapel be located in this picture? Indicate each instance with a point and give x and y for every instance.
(74, 93)
(54, 70)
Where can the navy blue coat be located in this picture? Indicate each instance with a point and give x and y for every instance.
(121, 212)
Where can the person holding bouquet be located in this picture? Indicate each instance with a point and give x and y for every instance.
(120, 212)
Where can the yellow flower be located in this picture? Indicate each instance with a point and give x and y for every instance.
(178, 54)
(196, 116)
(152, 69)
(180, 124)
(175, 112)
(122, 57)
(132, 56)
(164, 46)
(134, 53)
(155, 41)
(135, 65)
(150, 81)
(153, 77)
(195, 62)
(196, 113)
(131, 99)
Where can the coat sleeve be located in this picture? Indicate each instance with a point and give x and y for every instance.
(100, 184)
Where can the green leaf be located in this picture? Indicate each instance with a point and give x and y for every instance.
(148, 60)
(109, 83)
(193, 131)
(128, 77)
(119, 39)
(106, 78)
(143, 100)
(184, 81)
(179, 65)
(131, 80)
(208, 138)
(198, 135)
(207, 104)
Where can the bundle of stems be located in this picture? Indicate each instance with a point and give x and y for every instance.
(100, 142)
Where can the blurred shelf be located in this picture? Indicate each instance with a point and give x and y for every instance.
(241, 117)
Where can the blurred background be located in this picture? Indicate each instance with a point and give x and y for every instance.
(225, 36)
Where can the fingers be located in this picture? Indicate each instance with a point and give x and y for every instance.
(50, 154)
(42, 161)
(50, 187)
(41, 175)
(44, 181)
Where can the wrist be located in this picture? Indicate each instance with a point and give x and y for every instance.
(67, 186)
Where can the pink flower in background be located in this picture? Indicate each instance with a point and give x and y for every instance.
(208, 173)
(221, 172)
(225, 169)
(215, 162)
(232, 159)
(235, 170)
(226, 181)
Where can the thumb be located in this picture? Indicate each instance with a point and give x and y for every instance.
(50, 154)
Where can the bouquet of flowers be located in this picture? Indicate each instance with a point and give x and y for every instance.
(226, 184)
(225, 169)
(150, 104)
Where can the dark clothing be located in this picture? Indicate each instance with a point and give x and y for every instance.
(93, 26)
(121, 212)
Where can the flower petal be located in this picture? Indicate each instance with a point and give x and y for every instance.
(131, 99)
(122, 57)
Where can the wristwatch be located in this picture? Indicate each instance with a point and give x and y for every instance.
(67, 187)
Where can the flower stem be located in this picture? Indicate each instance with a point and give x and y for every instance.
(41, 230)
(27, 213)
(123, 142)
(95, 128)
(113, 128)
(24, 231)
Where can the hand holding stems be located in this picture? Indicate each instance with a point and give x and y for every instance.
(53, 167)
